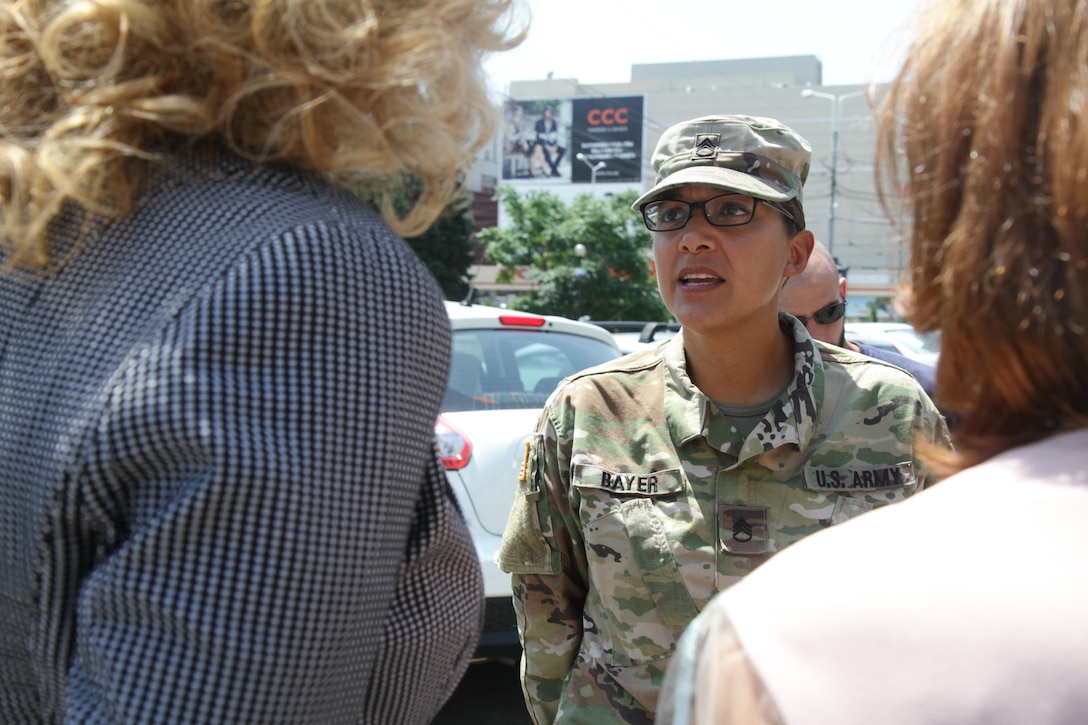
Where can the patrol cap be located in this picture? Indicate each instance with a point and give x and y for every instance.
(750, 155)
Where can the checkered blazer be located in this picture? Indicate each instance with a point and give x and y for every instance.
(219, 496)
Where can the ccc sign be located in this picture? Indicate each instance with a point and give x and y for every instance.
(607, 117)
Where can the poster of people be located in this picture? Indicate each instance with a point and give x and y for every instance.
(580, 140)
(535, 140)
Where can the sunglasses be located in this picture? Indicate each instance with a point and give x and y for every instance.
(826, 315)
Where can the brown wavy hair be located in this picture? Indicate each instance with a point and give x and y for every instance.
(90, 87)
(984, 129)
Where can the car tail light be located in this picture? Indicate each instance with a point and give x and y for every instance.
(454, 447)
(522, 320)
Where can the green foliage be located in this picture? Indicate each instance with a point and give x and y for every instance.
(613, 281)
(447, 248)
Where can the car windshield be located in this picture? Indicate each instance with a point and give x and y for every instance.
(500, 369)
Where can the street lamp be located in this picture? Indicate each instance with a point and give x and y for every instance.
(593, 167)
(836, 113)
(580, 253)
(580, 275)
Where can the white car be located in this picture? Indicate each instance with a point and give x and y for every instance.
(898, 337)
(632, 336)
(504, 366)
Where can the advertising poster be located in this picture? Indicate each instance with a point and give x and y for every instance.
(536, 140)
(606, 139)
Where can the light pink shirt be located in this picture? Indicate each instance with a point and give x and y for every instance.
(965, 604)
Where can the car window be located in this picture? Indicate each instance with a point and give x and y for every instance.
(916, 342)
(497, 369)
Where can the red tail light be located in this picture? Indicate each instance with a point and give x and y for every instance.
(522, 320)
(454, 447)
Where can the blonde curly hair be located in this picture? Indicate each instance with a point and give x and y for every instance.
(91, 87)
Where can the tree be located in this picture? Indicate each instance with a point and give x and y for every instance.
(447, 248)
(613, 281)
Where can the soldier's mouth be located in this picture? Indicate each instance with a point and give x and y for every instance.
(700, 280)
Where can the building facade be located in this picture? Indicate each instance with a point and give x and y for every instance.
(604, 136)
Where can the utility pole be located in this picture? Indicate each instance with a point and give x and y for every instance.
(836, 114)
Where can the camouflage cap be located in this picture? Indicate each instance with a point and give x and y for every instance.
(746, 154)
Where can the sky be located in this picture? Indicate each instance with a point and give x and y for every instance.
(597, 41)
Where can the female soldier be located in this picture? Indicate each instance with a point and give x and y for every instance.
(668, 475)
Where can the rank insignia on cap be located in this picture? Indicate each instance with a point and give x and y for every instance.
(743, 529)
(706, 146)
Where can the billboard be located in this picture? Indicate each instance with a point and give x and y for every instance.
(580, 140)
(606, 139)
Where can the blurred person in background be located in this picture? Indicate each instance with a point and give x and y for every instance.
(964, 604)
(219, 373)
(658, 479)
(817, 297)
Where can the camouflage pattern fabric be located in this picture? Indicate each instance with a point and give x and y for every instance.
(638, 501)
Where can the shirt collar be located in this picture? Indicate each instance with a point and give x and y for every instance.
(791, 419)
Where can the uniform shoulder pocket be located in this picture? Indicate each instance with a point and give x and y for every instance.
(525, 547)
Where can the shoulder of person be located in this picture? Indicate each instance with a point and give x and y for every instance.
(858, 365)
(625, 382)
(922, 372)
(632, 364)
(870, 381)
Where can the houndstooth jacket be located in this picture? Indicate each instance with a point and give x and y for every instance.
(219, 495)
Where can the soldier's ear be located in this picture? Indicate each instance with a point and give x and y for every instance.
(801, 245)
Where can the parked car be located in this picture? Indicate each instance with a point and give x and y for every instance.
(633, 335)
(898, 337)
(504, 366)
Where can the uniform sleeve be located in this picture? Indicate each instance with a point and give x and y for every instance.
(542, 547)
(933, 429)
(263, 520)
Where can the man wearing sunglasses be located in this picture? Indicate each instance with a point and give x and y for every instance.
(658, 479)
(817, 297)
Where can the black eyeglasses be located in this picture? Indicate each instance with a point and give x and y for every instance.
(826, 315)
(727, 210)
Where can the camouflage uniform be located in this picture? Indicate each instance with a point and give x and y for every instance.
(638, 501)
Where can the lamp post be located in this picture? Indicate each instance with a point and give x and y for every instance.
(593, 167)
(580, 274)
(580, 253)
(836, 113)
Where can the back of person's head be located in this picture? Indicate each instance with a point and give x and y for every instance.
(384, 86)
(988, 116)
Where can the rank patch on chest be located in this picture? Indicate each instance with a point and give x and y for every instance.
(743, 529)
